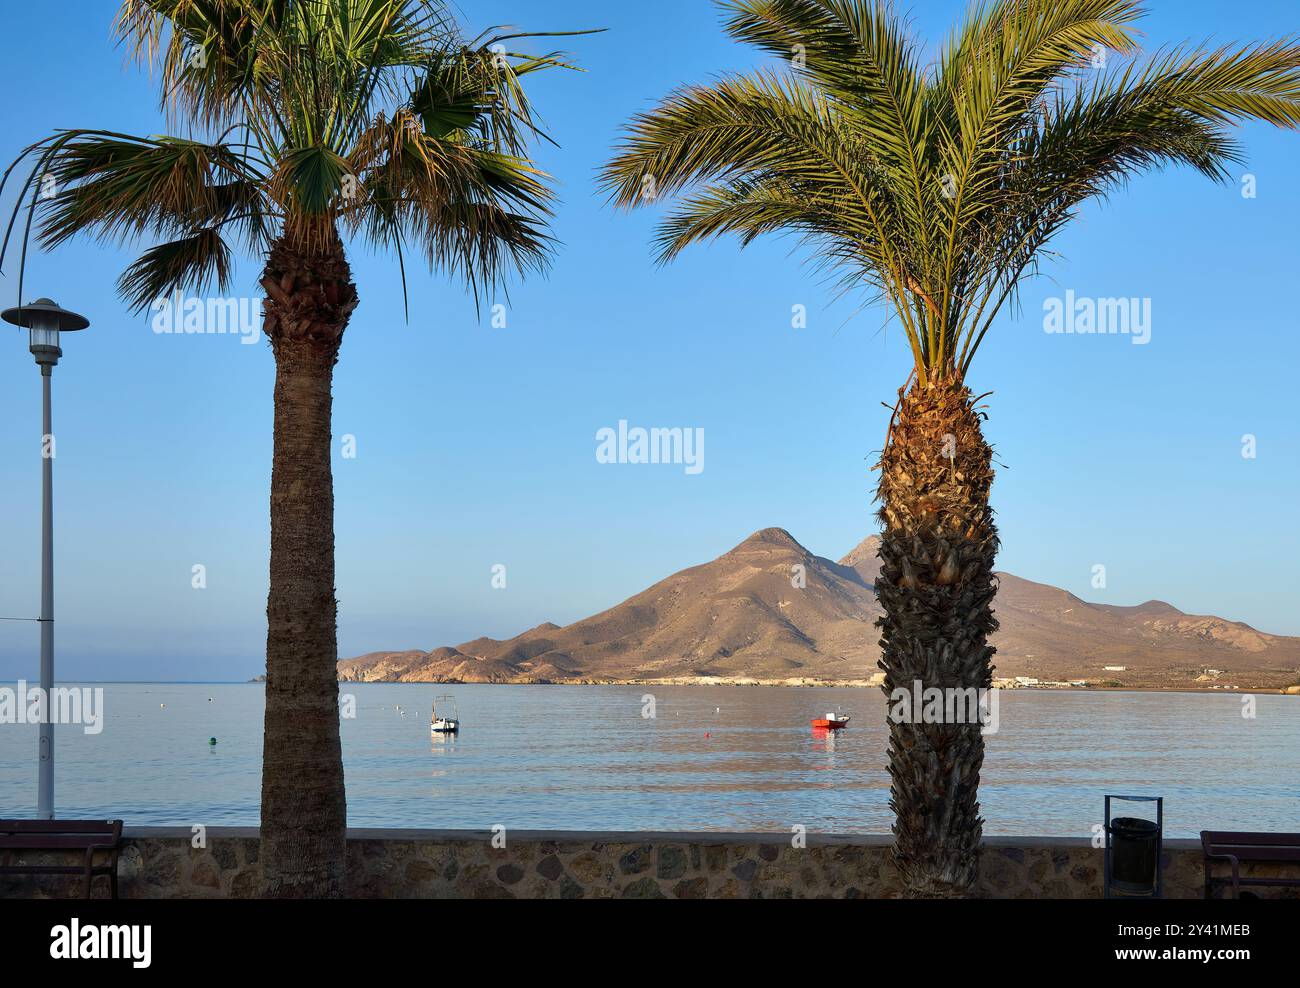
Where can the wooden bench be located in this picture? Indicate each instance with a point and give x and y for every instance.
(86, 836)
(1248, 848)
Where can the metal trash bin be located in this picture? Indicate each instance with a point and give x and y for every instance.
(1134, 844)
(1133, 862)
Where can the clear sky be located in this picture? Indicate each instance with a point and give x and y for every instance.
(475, 445)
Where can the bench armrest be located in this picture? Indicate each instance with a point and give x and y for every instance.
(113, 848)
(1236, 868)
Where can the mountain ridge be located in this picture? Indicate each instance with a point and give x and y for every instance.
(771, 611)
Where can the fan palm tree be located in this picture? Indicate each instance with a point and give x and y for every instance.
(937, 187)
(305, 121)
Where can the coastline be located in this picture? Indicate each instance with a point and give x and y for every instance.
(801, 683)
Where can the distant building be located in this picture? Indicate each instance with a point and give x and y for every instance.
(1026, 681)
(1115, 668)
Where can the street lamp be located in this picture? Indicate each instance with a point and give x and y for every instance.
(44, 321)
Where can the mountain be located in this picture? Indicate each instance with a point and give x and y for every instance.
(772, 611)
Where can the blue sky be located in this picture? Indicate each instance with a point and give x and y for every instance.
(475, 445)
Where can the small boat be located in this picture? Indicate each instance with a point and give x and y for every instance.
(441, 723)
(831, 722)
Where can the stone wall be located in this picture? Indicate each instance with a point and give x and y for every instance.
(161, 863)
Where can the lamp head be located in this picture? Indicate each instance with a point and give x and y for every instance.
(44, 320)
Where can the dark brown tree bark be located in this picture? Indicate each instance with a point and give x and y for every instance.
(310, 297)
(936, 586)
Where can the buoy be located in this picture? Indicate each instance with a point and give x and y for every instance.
(212, 741)
(162, 706)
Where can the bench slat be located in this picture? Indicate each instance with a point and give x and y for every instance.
(25, 842)
(60, 826)
(101, 869)
(1255, 852)
(1244, 838)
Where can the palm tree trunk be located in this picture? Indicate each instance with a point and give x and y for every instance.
(304, 814)
(936, 586)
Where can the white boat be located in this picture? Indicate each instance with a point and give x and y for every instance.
(441, 723)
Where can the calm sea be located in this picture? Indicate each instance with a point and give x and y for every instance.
(712, 758)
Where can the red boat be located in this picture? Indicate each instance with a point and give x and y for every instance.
(831, 722)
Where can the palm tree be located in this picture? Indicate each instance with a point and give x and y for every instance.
(306, 121)
(937, 187)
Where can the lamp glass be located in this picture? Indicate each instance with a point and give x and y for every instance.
(44, 340)
(44, 337)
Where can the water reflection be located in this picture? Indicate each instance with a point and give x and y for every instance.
(823, 739)
(716, 758)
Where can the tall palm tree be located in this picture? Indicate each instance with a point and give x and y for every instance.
(306, 121)
(937, 186)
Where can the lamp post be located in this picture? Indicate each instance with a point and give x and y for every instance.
(44, 320)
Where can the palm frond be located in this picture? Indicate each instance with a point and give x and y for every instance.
(118, 187)
(749, 126)
(475, 213)
(377, 116)
(858, 54)
(938, 188)
(194, 262)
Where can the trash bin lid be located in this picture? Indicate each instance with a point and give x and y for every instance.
(1133, 826)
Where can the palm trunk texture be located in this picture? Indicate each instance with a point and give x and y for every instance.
(310, 297)
(936, 586)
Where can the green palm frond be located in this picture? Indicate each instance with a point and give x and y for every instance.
(473, 212)
(195, 262)
(748, 129)
(859, 56)
(119, 187)
(748, 208)
(941, 188)
(374, 116)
